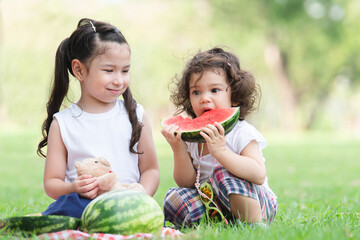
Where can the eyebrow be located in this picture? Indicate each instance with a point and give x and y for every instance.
(112, 65)
(212, 85)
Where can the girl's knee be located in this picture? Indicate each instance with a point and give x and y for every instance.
(245, 208)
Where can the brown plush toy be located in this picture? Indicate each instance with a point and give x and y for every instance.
(107, 179)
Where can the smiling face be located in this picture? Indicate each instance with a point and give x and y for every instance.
(105, 78)
(209, 91)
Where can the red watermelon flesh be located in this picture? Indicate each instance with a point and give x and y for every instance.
(190, 128)
(209, 117)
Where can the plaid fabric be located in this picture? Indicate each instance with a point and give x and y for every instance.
(224, 183)
(182, 206)
(74, 234)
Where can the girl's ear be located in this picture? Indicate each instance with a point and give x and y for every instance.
(78, 69)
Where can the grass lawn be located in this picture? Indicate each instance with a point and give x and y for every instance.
(315, 176)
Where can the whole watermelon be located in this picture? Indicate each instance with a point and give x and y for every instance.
(123, 212)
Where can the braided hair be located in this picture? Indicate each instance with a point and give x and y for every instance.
(83, 44)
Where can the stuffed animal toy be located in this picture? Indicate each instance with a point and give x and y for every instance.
(107, 179)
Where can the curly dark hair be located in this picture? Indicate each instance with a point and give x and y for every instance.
(244, 89)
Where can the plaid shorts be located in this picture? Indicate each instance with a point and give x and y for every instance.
(183, 207)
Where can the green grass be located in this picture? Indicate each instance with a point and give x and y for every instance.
(316, 178)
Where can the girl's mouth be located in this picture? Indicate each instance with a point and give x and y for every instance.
(206, 110)
(114, 91)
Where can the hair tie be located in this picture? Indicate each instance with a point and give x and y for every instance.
(92, 25)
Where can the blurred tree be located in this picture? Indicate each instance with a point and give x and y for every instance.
(308, 46)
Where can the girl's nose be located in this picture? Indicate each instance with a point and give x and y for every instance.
(118, 80)
(205, 98)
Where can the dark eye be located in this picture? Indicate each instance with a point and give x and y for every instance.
(108, 70)
(96, 161)
(215, 90)
(196, 92)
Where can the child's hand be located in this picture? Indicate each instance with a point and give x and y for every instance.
(169, 133)
(86, 186)
(214, 136)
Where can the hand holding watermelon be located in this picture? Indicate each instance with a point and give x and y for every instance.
(172, 135)
(214, 135)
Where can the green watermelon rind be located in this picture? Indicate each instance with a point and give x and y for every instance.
(124, 212)
(36, 225)
(228, 125)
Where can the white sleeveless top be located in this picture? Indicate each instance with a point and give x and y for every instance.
(107, 135)
(236, 140)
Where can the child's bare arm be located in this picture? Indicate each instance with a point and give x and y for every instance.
(55, 167)
(184, 172)
(248, 165)
(148, 162)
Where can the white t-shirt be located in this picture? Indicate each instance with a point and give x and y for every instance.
(236, 140)
(107, 135)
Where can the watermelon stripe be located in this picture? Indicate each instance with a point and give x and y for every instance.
(123, 212)
(130, 217)
(27, 225)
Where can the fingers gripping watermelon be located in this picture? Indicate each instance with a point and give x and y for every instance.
(190, 128)
(124, 212)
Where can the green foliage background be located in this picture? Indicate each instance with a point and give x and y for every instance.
(315, 86)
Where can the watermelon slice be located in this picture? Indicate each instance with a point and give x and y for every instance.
(190, 128)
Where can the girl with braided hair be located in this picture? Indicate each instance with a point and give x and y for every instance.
(98, 124)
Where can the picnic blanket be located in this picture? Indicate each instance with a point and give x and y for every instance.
(167, 233)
